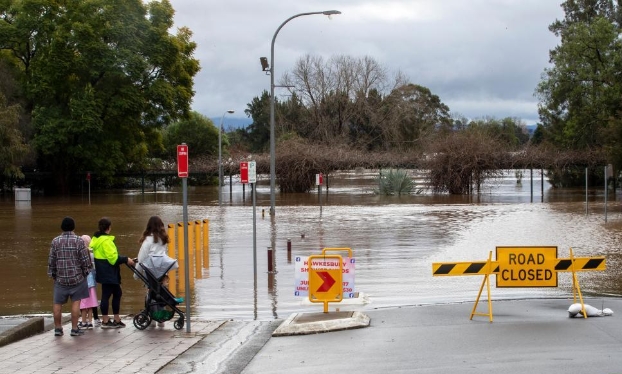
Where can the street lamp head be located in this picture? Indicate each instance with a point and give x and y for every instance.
(265, 66)
(330, 12)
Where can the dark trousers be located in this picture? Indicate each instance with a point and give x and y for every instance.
(113, 290)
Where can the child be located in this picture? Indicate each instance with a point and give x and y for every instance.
(87, 305)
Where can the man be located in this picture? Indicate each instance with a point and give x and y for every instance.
(68, 264)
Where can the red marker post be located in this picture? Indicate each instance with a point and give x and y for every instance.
(182, 161)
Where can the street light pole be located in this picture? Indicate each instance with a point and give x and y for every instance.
(272, 135)
(220, 157)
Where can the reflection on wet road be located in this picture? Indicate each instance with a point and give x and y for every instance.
(395, 240)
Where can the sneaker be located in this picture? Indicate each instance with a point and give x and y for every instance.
(76, 332)
(89, 326)
(108, 325)
(119, 324)
(58, 332)
(82, 326)
(98, 322)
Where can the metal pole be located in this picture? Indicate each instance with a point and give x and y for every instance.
(586, 192)
(531, 179)
(220, 161)
(220, 156)
(186, 259)
(606, 192)
(254, 236)
(272, 135)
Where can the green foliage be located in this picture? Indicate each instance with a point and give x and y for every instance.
(198, 132)
(101, 77)
(581, 93)
(511, 132)
(12, 147)
(420, 114)
(394, 182)
(258, 133)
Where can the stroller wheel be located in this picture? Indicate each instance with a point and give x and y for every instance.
(179, 324)
(142, 321)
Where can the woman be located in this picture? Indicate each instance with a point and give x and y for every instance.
(154, 241)
(108, 272)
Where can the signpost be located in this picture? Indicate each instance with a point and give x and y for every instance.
(319, 181)
(182, 160)
(248, 174)
(88, 179)
(325, 279)
(182, 172)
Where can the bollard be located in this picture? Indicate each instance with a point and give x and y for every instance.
(206, 243)
(171, 253)
(190, 254)
(263, 213)
(270, 267)
(289, 250)
(198, 274)
(181, 256)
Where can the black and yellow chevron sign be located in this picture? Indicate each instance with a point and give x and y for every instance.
(581, 264)
(464, 268)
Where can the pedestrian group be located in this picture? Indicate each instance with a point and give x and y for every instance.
(77, 263)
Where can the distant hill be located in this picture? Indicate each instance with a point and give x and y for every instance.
(232, 122)
(531, 129)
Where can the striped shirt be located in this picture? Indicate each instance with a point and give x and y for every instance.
(69, 261)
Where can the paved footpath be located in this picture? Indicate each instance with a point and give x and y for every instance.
(124, 350)
(527, 336)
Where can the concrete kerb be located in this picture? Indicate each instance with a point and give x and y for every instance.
(27, 326)
(315, 323)
(32, 326)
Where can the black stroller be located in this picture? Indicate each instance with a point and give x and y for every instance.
(160, 303)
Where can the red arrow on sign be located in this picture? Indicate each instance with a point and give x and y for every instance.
(328, 281)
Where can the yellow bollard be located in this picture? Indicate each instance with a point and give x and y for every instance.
(206, 243)
(171, 253)
(198, 274)
(191, 253)
(181, 257)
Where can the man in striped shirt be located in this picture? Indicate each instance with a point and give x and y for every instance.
(69, 263)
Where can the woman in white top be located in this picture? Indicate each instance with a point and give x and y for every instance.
(154, 241)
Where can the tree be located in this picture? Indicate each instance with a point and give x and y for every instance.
(258, 133)
(101, 76)
(11, 139)
(581, 93)
(418, 115)
(511, 132)
(334, 97)
(198, 132)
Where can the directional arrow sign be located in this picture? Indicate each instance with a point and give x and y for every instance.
(328, 281)
(325, 278)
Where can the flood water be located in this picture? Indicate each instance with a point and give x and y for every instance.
(395, 240)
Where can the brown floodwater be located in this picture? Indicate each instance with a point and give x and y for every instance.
(395, 240)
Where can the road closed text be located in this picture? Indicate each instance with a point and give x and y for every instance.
(526, 267)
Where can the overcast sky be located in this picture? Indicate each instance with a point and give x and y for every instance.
(481, 57)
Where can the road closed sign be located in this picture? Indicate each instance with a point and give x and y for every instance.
(527, 266)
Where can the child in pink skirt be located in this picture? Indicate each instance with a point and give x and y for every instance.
(87, 305)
